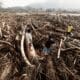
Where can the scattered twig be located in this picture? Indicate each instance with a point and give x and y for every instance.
(7, 43)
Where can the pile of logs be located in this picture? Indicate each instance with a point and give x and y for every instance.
(63, 63)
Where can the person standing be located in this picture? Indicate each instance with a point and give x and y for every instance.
(69, 30)
(47, 45)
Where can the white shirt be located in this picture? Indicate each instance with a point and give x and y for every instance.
(28, 38)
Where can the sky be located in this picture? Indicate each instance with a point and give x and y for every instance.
(13, 3)
(60, 3)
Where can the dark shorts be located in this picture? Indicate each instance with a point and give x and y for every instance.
(68, 33)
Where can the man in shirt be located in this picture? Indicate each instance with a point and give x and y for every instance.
(47, 45)
(69, 30)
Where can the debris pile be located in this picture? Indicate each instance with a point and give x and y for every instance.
(63, 63)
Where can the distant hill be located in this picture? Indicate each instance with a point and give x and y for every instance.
(45, 5)
(48, 6)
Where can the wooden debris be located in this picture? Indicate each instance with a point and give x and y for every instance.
(59, 50)
(43, 25)
(23, 52)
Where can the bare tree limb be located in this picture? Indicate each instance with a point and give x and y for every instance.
(59, 50)
(0, 32)
(23, 53)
